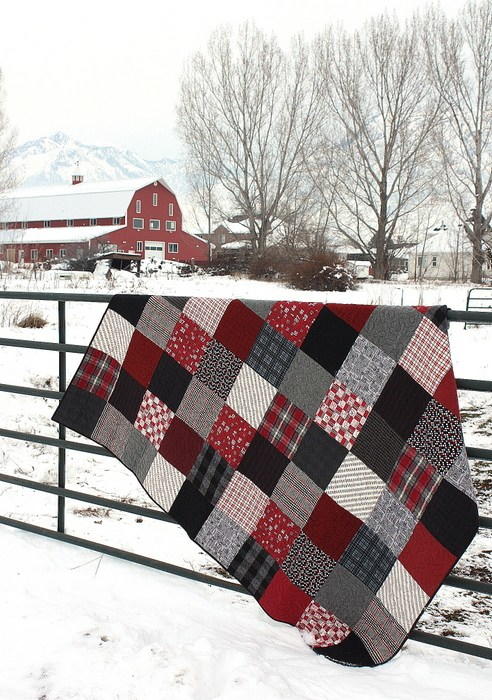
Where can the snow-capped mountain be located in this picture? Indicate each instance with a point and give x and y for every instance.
(52, 160)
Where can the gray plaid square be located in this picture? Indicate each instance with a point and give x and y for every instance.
(138, 455)
(271, 355)
(366, 370)
(392, 521)
(218, 369)
(296, 494)
(199, 407)
(380, 632)
(221, 537)
(368, 558)
(158, 320)
(344, 595)
(112, 430)
(391, 328)
(253, 567)
(307, 566)
(459, 476)
(310, 392)
(210, 474)
(260, 307)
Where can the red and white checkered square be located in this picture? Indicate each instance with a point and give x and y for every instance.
(293, 319)
(153, 419)
(206, 312)
(284, 425)
(342, 414)
(320, 628)
(187, 343)
(243, 502)
(427, 358)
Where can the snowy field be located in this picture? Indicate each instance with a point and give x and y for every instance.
(78, 625)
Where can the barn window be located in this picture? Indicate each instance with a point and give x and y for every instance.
(92, 222)
(34, 254)
(170, 226)
(63, 252)
(170, 209)
(49, 253)
(155, 224)
(46, 224)
(139, 246)
(69, 222)
(154, 199)
(138, 206)
(172, 247)
(117, 220)
(138, 223)
(434, 261)
(24, 224)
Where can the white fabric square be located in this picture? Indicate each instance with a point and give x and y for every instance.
(402, 596)
(163, 481)
(355, 487)
(113, 336)
(251, 396)
(206, 312)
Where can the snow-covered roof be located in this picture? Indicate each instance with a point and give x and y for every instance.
(443, 242)
(236, 227)
(55, 234)
(85, 200)
(236, 245)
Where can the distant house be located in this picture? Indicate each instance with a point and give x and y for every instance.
(227, 232)
(82, 219)
(443, 255)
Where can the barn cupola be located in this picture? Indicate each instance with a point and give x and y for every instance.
(77, 178)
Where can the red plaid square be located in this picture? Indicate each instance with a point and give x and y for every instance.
(342, 414)
(97, 373)
(230, 435)
(284, 425)
(153, 419)
(206, 312)
(243, 502)
(275, 532)
(320, 628)
(187, 343)
(293, 319)
(414, 480)
(427, 357)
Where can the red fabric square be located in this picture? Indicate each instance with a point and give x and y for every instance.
(283, 601)
(181, 445)
(355, 315)
(187, 343)
(97, 373)
(276, 532)
(238, 329)
(230, 435)
(446, 394)
(426, 560)
(293, 319)
(141, 358)
(331, 527)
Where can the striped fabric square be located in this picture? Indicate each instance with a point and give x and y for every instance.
(402, 596)
(243, 502)
(163, 482)
(284, 425)
(426, 357)
(296, 494)
(97, 373)
(251, 396)
(113, 336)
(355, 487)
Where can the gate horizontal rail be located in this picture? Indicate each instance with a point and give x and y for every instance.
(62, 444)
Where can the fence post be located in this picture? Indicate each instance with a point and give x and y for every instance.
(62, 385)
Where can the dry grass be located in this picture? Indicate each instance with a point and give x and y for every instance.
(32, 320)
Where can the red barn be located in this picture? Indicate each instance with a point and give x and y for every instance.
(138, 216)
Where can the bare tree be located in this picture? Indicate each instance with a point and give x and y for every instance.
(376, 136)
(253, 109)
(7, 179)
(459, 59)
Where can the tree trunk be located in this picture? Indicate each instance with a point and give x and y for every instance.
(477, 260)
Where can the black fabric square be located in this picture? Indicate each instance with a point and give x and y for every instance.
(319, 455)
(253, 567)
(130, 306)
(170, 381)
(329, 340)
(351, 651)
(190, 509)
(451, 517)
(378, 446)
(127, 396)
(79, 410)
(263, 464)
(368, 558)
(210, 474)
(402, 402)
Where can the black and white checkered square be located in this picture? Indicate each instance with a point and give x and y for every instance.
(210, 474)
(271, 355)
(368, 558)
(253, 567)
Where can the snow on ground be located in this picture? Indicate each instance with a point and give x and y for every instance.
(63, 613)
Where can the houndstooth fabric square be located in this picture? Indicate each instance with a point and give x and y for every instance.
(284, 425)
(158, 320)
(342, 414)
(199, 407)
(414, 480)
(206, 312)
(210, 474)
(153, 419)
(366, 370)
(355, 487)
(112, 429)
(320, 628)
(427, 358)
(243, 502)
(380, 632)
(402, 596)
(392, 522)
(296, 494)
(163, 482)
(97, 373)
(271, 355)
(254, 567)
(307, 565)
(251, 396)
(218, 368)
(368, 558)
(113, 336)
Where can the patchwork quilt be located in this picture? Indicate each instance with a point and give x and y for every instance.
(314, 450)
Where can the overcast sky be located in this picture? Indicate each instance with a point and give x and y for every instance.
(107, 72)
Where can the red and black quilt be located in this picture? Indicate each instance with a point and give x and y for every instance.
(314, 450)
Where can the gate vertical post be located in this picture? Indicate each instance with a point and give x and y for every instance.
(62, 385)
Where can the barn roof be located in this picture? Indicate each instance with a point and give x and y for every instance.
(55, 234)
(95, 200)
